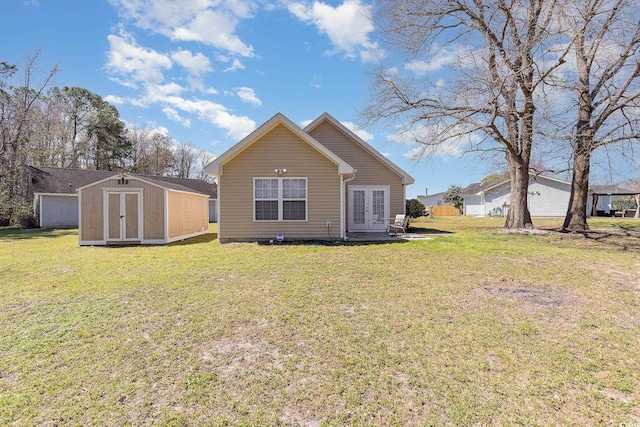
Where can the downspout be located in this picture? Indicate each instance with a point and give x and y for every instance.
(343, 216)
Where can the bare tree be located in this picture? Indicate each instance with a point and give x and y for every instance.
(160, 158)
(605, 38)
(498, 54)
(18, 108)
(204, 159)
(185, 158)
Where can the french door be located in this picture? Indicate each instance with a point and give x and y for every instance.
(368, 208)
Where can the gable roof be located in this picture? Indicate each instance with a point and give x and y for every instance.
(215, 167)
(478, 188)
(49, 180)
(406, 178)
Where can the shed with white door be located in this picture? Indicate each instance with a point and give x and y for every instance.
(129, 209)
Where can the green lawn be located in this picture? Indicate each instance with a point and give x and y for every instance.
(472, 328)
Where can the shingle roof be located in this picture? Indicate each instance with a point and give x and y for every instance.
(477, 187)
(66, 181)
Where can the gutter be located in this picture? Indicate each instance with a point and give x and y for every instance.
(343, 226)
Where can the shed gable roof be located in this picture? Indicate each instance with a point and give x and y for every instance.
(49, 180)
(215, 167)
(406, 178)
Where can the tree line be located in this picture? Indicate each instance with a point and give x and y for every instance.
(72, 127)
(553, 77)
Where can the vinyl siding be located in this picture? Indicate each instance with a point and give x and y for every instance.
(472, 205)
(370, 171)
(497, 201)
(280, 148)
(58, 211)
(188, 214)
(548, 198)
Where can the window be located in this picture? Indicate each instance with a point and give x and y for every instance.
(280, 199)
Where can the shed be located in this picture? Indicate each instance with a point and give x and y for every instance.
(129, 209)
(55, 196)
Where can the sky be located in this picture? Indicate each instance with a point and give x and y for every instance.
(208, 72)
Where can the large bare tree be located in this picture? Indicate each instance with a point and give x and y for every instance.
(605, 82)
(496, 53)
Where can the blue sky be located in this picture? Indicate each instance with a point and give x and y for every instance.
(208, 72)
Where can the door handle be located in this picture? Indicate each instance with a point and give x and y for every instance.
(121, 216)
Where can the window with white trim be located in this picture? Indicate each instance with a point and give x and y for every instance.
(280, 199)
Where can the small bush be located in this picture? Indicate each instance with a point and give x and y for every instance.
(28, 221)
(415, 208)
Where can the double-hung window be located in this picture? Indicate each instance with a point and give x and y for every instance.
(280, 199)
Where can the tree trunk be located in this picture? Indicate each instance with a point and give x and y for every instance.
(637, 199)
(576, 218)
(518, 216)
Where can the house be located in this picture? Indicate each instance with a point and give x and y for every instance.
(55, 197)
(131, 209)
(435, 199)
(603, 197)
(547, 197)
(319, 182)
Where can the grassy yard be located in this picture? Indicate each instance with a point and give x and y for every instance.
(472, 328)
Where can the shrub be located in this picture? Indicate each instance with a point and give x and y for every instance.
(414, 208)
(28, 221)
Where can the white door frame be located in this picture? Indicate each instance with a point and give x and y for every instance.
(373, 221)
(123, 220)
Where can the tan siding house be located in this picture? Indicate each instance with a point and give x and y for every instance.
(126, 209)
(317, 183)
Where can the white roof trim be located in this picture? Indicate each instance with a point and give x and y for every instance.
(215, 167)
(406, 178)
(56, 194)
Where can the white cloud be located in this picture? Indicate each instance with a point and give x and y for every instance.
(212, 22)
(157, 93)
(248, 95)
(114, 100)
(128, 58)
(440, 58)
(236, 126)
(363, 134)
(197, 64)
(348, 26)
(146, 66)
(236, 65)
(455, 140)
(175, 116)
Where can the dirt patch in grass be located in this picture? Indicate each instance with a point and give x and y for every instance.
(529, 294)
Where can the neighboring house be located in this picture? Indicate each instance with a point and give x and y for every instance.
(603, 196)
(313, 183)
(547, 197)
(433, 199)
(55, 199)
(131, 209)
